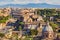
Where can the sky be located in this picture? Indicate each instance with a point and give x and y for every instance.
(54, 2)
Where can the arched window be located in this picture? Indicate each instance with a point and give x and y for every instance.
(46, 34)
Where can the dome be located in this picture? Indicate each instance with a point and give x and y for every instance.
(47, 28)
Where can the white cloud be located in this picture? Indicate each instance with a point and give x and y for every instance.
(26, 1)
(55, 2)
(2, 2)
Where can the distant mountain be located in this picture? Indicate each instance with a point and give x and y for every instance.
(32, 5)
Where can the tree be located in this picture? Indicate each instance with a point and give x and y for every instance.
(34, 32)
(21, 23)
(1, 35)
(3, 19)
(15, 36)
(20, 28)
(54, 26)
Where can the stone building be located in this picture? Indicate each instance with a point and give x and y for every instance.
(47, 32)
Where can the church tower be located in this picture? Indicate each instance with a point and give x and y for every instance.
(47, 32)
